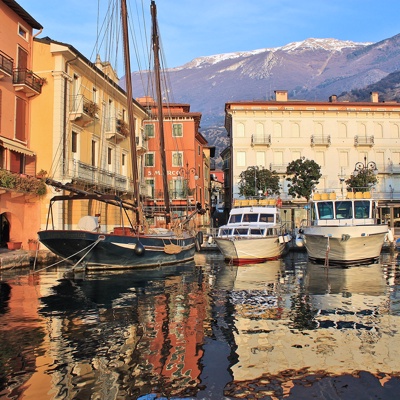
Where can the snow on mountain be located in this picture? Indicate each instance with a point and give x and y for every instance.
(308, 44)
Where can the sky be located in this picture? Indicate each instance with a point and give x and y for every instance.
(195, 28)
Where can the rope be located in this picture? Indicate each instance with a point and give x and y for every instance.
(72, 255)
(326, 263)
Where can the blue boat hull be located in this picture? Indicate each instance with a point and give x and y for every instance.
(107, 251)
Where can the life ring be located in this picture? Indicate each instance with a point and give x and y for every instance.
(279, 202)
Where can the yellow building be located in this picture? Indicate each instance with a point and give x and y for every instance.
(335, 134)
(80, 131)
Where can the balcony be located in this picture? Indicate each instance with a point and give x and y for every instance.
(363, 141)
(116, 129)
(97, 177)
(83, 111)
(26, 81)
(320, 140)
(141, 143)
(261, 140)
(6, 65)
(278, 168)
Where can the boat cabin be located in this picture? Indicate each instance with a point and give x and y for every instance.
(252, 222)
(352, 211)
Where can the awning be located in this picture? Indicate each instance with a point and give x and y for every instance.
(15, 146)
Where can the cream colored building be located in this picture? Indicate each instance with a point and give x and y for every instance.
(79, 129)
(334, 134)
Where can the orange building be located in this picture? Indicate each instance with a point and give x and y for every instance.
(188, 166)
(19, 202)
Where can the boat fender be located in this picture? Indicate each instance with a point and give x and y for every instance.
(299, 241)
(199, 237)
(197, 244)
(139, 249)
(301, 231)
(389, 236)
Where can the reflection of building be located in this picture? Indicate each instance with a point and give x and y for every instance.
(19, 85)
(333, 133)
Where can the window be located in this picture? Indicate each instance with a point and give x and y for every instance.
(109, 155)
(149, 130)
(123, 159)
(20, 123)
(177, 159)
(361, 208)
(239, 130)
(22, 32)
(344, 209)
(74, 142)
(241, 159)
(325, 210)
(93, 153)
(149, 160)
(95, 95)
(177, 130)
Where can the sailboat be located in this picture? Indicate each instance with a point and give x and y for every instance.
(133, 244)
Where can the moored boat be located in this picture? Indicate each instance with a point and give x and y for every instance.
(343, 231)
(254, 233)
(125, 240)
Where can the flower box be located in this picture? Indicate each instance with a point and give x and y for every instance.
(14, 245)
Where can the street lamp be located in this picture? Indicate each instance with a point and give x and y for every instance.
(364, 168)
(185, 174)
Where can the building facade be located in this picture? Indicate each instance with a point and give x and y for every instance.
(335, 134)
(19, 85)
(187, 159)
(80, 132)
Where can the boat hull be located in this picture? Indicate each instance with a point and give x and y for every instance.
(250, 251)
(345, 245)
(107, 251)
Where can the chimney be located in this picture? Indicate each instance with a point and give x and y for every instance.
(374, 97)
(333, 98)
(281, 95)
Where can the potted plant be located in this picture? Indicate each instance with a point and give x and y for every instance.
(14, 245)
(33, 244)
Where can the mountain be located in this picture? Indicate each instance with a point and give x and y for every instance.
(312, 69)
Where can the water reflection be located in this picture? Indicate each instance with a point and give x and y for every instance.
(202, 330)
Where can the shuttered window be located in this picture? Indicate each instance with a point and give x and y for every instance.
(20, 116)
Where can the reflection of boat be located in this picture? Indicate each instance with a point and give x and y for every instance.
(343, 231)
(131, 244)
(253, 233)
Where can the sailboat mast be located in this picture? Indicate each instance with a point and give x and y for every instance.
(131, 117)
(157, 69)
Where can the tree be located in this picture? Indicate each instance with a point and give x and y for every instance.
(362, 180)
(303, 174)
(254, 179)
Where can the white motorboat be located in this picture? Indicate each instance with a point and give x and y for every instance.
(254, 233)
(343, 231)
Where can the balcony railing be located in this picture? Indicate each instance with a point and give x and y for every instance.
(264, 140)
(6, 65)
(97, 177)
(25, 80)
(320, 140)
(364, 140)
(83, 111)
(278, 168)
(116, 128)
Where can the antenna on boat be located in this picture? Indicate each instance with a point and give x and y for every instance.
(156, 51)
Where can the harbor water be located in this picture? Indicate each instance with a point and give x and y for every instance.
(285, 329)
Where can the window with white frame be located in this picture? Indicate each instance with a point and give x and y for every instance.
(23, 32)
(149, 160)
(149, 130)
(177, 158)
(177, 130)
